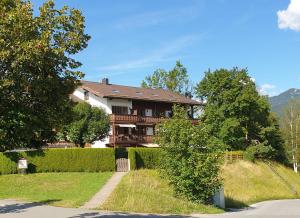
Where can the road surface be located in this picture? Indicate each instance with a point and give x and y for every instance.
(268, 209)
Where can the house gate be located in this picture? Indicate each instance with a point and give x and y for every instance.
(122, 164)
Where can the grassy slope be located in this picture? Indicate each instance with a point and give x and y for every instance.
(60, 189)
(246, 183)
(144, 191)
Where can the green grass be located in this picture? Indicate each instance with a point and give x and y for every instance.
(59, 189)
(246, 183)
(145, 192)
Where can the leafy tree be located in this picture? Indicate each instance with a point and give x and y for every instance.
(290, 124)
(37, 71)
(235, 112)
(89, 124)
(191, 157)
(176, 80)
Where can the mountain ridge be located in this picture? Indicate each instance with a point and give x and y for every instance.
(278, 102)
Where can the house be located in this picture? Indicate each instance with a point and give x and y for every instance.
(134, 111)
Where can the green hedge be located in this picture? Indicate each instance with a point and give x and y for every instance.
(61, 160)
(132, 158)
(8, 162)
(148, 158)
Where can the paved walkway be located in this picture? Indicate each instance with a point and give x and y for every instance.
(100, 197)
(268, 209)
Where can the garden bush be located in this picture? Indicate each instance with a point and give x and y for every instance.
(61, 160)
(148, 158)
(259, 151)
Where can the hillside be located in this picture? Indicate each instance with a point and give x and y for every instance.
(245, 183)
(280, 101)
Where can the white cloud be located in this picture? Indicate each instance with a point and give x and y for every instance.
(290, 18)
(267, 89)
(165, 53)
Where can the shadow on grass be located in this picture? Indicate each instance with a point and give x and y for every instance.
(20, 207)
(233, 203)
(123, 215)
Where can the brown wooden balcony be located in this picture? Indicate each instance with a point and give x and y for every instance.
(131, 139)
(116, 118)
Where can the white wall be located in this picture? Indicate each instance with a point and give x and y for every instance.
(93, 100)
(79, 93)
(106, 104)
(119, 102)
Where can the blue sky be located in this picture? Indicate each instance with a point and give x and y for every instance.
(132, 38)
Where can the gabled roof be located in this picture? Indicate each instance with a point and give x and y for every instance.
(137, 93)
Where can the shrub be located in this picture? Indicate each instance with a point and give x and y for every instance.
(191, 158)
(88, 124)
(148, 158)
(61, 160)
(259, 151)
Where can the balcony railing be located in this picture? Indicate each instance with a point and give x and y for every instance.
(131, 139)
(115, 118)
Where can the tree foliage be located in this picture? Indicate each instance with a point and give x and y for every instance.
(37, 71)
(235, 112)
(190, 157)
(88, 125)
(176, 80)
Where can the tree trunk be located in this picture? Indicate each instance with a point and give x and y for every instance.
(295, 164)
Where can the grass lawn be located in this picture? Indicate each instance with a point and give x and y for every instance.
(247, 183)
(144, 191)
(59, 189)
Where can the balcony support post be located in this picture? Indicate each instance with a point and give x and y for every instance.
(114, 134)
(192, 111)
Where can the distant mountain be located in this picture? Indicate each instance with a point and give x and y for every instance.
(278, 102)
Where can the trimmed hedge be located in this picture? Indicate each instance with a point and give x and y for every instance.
(132, 158)
(148, 158)
(8, 162)
(61, 160)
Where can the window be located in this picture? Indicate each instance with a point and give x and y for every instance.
(148, 112)
(120, 110)
(149, 130)
(168, 114)
(86, 95)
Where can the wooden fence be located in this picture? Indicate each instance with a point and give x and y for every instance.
(233, 156)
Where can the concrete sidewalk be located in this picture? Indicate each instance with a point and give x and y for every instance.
(100, 197)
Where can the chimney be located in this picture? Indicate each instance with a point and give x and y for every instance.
(105, 81)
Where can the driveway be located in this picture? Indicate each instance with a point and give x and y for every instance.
(268, 209)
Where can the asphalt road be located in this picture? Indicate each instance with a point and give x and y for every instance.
(268, 209)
